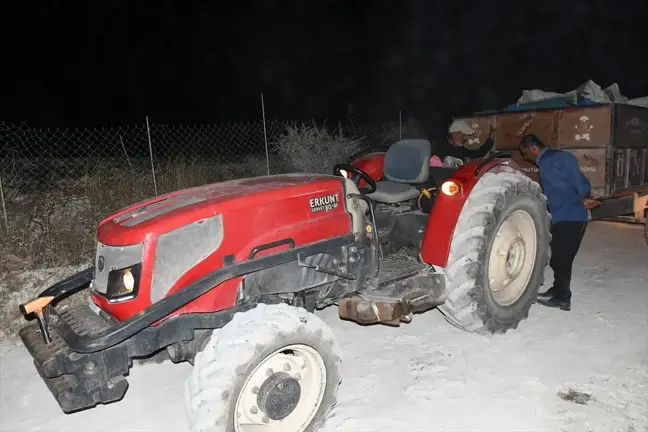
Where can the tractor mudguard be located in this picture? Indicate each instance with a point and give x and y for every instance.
(443, 218)
(372, 164)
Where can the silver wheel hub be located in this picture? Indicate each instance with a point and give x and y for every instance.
(512, 257)
(515, 258)
(283, 393)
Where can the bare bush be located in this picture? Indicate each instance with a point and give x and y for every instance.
(59, 184)
(56, 227)
(17, 287)
(409, 129)
(388, 133)
(313, 148)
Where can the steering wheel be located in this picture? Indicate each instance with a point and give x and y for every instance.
(359, 174)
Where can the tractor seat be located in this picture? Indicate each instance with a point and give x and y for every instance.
(407, 162)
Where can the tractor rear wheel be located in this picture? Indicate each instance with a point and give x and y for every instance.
(274, 368)
(498, 255)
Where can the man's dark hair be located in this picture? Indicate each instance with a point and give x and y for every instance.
(529, 141)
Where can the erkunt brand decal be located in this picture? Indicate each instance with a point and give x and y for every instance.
(324, 203)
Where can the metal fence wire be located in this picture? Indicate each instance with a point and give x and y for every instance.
(34, 161)
(57, 184)
(29, 154)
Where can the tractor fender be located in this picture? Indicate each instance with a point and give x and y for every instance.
(443, 218)
(372, 164)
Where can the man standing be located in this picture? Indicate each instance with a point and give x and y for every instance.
(568, 193)
(454, 147)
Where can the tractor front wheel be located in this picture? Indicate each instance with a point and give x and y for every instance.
(499, 252)
(273, 368)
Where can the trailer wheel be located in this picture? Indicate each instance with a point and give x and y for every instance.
(274, 368)
(498, 255)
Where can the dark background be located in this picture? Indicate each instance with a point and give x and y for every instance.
(68, 64)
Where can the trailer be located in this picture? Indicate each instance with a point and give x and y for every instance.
(610, 142)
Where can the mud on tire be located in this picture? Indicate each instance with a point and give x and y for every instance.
(471, 304)
(233, 354)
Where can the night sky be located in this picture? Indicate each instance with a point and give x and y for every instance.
(114, 62)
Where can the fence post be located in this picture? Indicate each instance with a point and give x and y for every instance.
(4, 206)
(148, 131)
(265, 135)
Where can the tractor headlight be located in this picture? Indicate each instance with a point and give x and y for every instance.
(123, 283)
(344, 173)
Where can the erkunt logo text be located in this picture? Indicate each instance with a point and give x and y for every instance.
(324, 203)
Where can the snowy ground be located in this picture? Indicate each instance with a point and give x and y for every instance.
(430, 376)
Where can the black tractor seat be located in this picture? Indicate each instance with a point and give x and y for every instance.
(407, 170)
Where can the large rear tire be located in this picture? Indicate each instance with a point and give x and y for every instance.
(275, 368)
(498, 255)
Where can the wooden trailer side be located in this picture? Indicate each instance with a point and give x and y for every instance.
(586, 132)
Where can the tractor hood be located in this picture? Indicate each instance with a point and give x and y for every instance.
(142, 221)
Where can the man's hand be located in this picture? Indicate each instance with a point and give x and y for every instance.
(590, 203)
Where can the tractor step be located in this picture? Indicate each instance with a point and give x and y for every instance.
(394, 269)
(403, 287)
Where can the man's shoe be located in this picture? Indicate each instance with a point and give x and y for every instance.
(556, 302)
(547, 294)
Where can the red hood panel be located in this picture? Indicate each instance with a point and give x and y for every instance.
(138, 222)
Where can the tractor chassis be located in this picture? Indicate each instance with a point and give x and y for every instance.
(83, 354)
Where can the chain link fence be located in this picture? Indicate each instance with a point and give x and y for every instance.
(33, 161)
(56, 184)
(36, 160)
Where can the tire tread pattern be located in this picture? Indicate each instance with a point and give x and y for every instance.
(465, 305)
(221, 366)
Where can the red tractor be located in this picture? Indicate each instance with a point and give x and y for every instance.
(227, 276)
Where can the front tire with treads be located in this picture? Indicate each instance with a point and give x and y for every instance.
(498, 255)
(274, 366)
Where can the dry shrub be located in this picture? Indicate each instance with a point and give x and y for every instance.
(51, 235)
(314, 149)
(388, 134)
(409, 129)
(17, 287)
(57, 228)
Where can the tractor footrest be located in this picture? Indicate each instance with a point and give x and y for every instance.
(393, 270)
(78, 380)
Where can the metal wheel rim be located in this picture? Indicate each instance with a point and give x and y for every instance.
(302, 363)
(512, 258)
